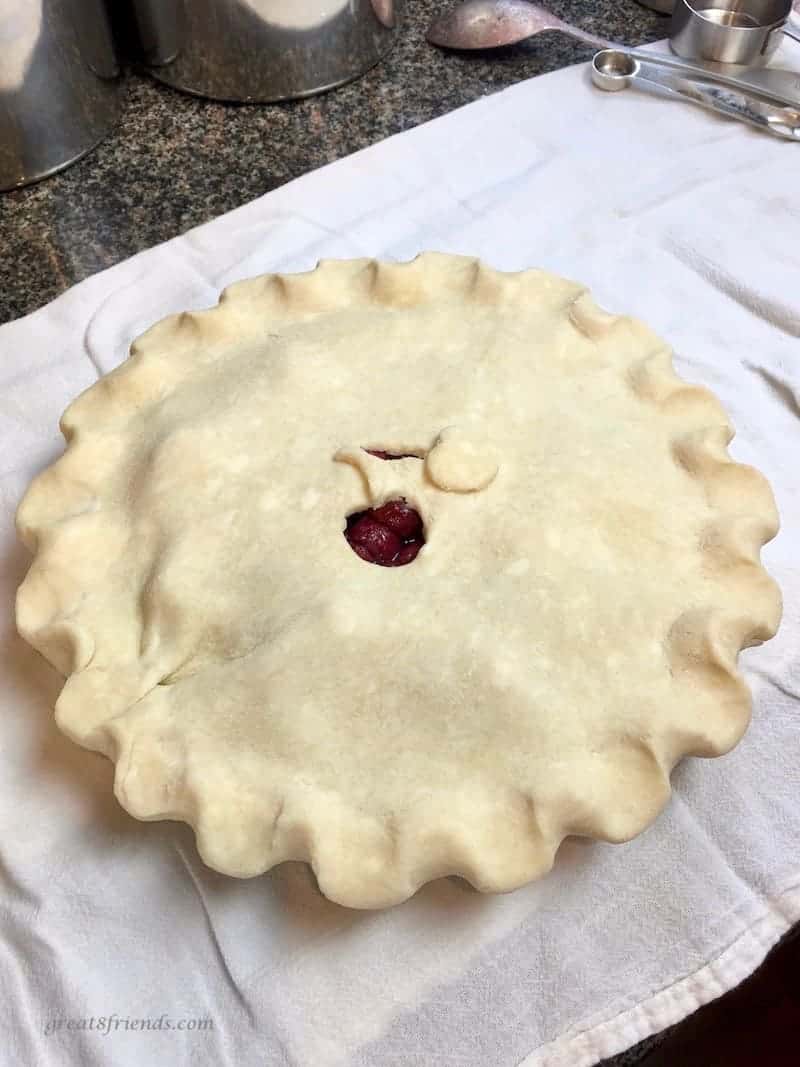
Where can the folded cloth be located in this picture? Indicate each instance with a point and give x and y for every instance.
(669, 213)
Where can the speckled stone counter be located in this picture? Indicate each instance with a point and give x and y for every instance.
(175, 161)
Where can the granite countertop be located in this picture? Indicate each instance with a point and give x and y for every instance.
(175, 161)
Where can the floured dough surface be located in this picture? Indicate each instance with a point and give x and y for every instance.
(568, 631)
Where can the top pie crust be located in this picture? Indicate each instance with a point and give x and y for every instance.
(568, 632)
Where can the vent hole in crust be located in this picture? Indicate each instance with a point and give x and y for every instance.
(380, 453)
(390, 536)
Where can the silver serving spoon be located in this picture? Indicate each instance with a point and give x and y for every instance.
(479, 24)
(496, 23)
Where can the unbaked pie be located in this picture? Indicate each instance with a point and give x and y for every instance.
(405, 570)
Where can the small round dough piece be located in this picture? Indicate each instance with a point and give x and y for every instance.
(462, 460)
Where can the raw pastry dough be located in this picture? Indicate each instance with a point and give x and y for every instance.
(569, 630)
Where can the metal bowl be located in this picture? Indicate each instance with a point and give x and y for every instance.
(262, 50)
(59, 88)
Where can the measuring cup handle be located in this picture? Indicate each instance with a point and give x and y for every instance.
(791, 27)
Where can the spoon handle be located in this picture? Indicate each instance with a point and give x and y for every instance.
(582, 35)
(777, 120)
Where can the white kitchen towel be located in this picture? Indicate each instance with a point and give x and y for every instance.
(119, 947)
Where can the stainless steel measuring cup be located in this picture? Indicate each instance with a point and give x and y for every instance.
(740, 32)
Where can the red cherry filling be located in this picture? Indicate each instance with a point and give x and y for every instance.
(379, 542)
(401, 519)
(407, 553)
(390, 535)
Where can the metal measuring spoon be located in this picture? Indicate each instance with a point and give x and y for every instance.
(481, 24)
(613, 70)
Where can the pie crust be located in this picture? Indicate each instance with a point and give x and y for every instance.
(568, 631)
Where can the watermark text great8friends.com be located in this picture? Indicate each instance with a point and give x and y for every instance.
(120, 1024)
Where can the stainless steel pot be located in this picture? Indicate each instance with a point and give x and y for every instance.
(59, 91)
(262, 50)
